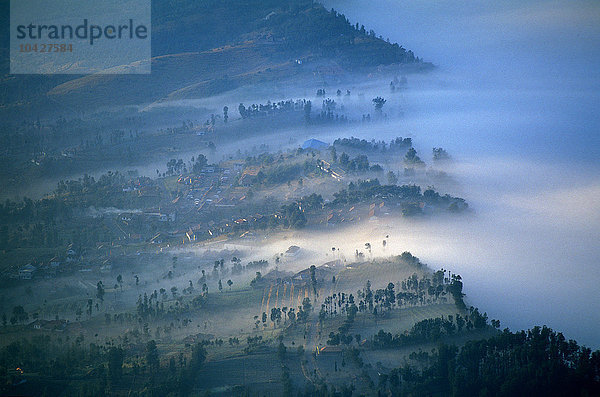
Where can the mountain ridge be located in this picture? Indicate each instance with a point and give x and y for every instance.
(199, 57)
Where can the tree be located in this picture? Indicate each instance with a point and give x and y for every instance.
(229, 284)
(291, 315)
(306, 306)
(440, 154)
(242, 110)
(344, 159)
(256, 279)
(307, 110)
(115, 364)
(275, 315)
(100, 291)
(220, 286)
(390, 295)
(378, 103)
(392, 178)
(19, 315)
(455, 288)
(152, 357)
(198, 357)
(293, 216)
(313, 278)
(460, 322)
(411, 158)
(120, 281)
(199, 164)
(90, 302)
(281, 351)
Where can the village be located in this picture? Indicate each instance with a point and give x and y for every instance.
(198, 203)
(132, 259)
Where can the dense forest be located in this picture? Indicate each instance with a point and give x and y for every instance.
(538, 362)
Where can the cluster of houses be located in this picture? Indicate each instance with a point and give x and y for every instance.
(354, 214)
(49, 325)
(49, 268)
(26, 272)
(70, 262)
(143, 186)
(204, 189)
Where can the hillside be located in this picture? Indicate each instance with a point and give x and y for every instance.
(195, 54)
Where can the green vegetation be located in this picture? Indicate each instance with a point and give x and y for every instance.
(295, 25)
(259, 44)
(365, 190)
(363, 145)
(359, 327)
(213, 273)
(538, 362)
(63, 367)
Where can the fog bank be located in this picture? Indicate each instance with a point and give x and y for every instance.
(514, 100)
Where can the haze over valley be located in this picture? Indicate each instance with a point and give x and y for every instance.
(518, 107)
(337, 199)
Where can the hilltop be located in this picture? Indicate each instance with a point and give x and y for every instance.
(195, 54)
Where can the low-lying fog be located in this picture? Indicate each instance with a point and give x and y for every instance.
(515, 101)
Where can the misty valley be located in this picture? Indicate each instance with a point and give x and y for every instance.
(276, 210)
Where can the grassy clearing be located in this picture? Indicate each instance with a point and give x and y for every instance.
(380, 272)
